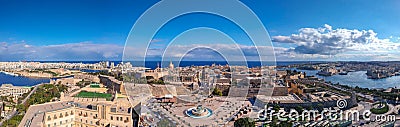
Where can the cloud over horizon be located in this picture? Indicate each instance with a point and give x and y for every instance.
(322, 43)
(81, 51)
(327, 41)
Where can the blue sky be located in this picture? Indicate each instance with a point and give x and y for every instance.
(97, 29)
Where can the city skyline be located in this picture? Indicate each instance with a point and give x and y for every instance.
(307, 31)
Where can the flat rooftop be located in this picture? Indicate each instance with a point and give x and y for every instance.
(283, 99)
(35, 113)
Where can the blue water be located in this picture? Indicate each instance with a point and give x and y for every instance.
(154, 64)
(359, 78)
(21, 80)
(352, 79)
(87, 70)
(25, 81)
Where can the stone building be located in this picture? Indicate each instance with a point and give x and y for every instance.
(14, 91)
(81, 114)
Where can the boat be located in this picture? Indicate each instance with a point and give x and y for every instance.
(324, 73)
(343, 73)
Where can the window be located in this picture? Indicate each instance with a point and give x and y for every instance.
(117, 118)
(112, 118)
(113, 109)
(60, 122)
(48, 125)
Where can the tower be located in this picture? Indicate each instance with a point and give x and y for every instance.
(171, 65)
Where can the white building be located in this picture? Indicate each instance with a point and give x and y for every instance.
(15, 91)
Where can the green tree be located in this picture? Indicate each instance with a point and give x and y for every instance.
(299, 109)
(13, 122)
(217, 91)
(245, 122)
(276, 107)
(164, 123)
(21, 108)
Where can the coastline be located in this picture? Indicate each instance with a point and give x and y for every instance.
(9, 73)
(22, 81)
(354, 79)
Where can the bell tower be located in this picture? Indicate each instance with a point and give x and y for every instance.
(171, 65)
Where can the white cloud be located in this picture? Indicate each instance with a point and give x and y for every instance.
(155, 40)
(328, 41)
(70, 51)
(324, 43)
(328, 27)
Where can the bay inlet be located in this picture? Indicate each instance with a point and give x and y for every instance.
(358, 78)
(21, 80)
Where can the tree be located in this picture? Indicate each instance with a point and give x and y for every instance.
(245, 122)
(164, 123)
(217, 92)
(276, 107)
(21, 108)
(299, 109)
(284, 124)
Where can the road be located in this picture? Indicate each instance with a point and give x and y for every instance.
(29, 95)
